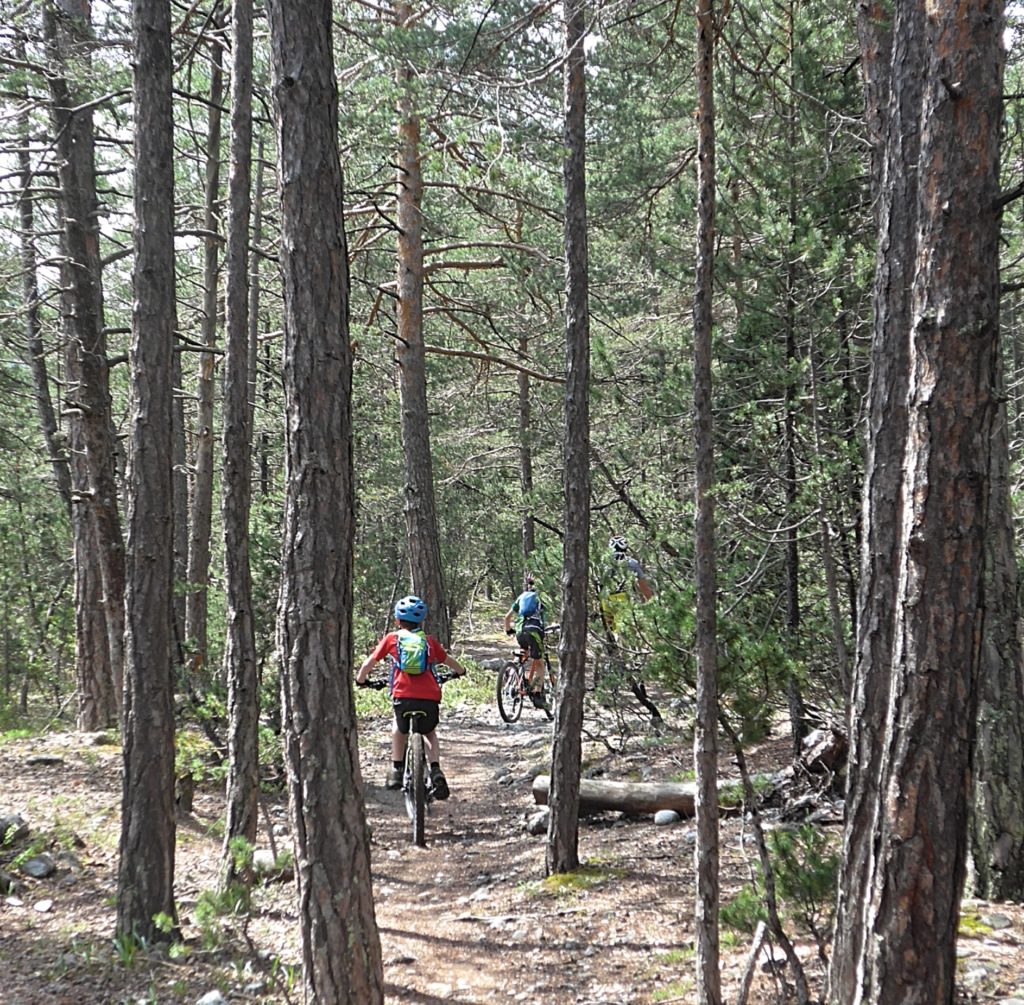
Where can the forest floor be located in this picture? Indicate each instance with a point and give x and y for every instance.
(468, 920)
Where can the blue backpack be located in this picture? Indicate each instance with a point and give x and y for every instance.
(412, 651)
(530, 606)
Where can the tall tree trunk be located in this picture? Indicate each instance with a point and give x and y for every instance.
(997, 816)
(705, 740)
(34, 347)
(201, 509)
(340, 945)
(525, 453)
(241, 668)
(900, 902)
(87, 386)
(797, 710)
(420, 510)
(145, 886)
(564, 796)
(893, 109)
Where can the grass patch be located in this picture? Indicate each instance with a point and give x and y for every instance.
(569, 884)
(972, 927)
(672, 992)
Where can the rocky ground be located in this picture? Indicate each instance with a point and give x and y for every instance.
(469, 919)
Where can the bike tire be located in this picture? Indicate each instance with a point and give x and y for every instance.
(548, 690)
(416, 788)
(510, 692)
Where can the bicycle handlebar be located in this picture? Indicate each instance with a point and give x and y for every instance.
(379, 683)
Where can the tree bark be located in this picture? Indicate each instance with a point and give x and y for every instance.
(201, 508)
(892, 111)
(241, 669)
(420, 510)
(900, 896)
(340, 945)
(87, 385)
(566, 754)
(35, 349)
(997, 816)
(146, 873)
(705, 740)
(525, 453)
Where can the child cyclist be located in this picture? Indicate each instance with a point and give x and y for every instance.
(413, 656)
(527, 613)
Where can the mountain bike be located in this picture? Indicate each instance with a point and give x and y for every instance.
(416, 783)
(511, 686)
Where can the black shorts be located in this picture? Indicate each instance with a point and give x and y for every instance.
(531, 641)
(428, 721)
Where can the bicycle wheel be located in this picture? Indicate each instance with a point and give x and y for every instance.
(416, 788)
(548, 689)
(510, 691)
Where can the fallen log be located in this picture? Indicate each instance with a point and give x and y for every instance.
(633, 798)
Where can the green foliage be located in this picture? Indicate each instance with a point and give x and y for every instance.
(805, 865)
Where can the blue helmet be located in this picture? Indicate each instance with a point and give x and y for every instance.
(410, 609)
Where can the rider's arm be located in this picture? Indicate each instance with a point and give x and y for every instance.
(451, 661)
(508, 620)
(373, 659)
(364, 671)
(644, 588)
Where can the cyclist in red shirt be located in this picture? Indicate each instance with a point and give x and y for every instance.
(413, 655)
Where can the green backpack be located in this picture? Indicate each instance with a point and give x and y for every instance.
(412, 651)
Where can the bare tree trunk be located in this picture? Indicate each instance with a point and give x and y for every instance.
(241, 668)
(705, 740)
(87, 385)
(893, 116)
(525, 452)
(35, 349)
(564, 795)
(201, 509)
(797, 710)
(340, 945)
(900, 900)
(997, 816)
(420, 511)
(145, 888)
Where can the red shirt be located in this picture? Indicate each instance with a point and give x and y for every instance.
(412, 685)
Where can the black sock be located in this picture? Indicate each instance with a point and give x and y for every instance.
(435, 766)
(398, 765)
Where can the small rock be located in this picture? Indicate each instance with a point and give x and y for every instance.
(12, 828)
(38, 867)
(996, 922)
(537, 823)
(100, 739)
(212, 998)
(267, 867)
(43, 906)
(975, 977)
(1011, 1001)
(44, 760)
(665, 817)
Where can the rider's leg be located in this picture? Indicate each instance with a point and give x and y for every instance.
(433, 745)
(398, 741)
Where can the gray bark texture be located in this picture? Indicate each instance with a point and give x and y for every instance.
(201, 508)
(146, 872)
(705, 739)
(917, 696)
(241, 669)
(566, 754)
(997, 817)
(341, 951)
(420, 509)
(87, 384)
